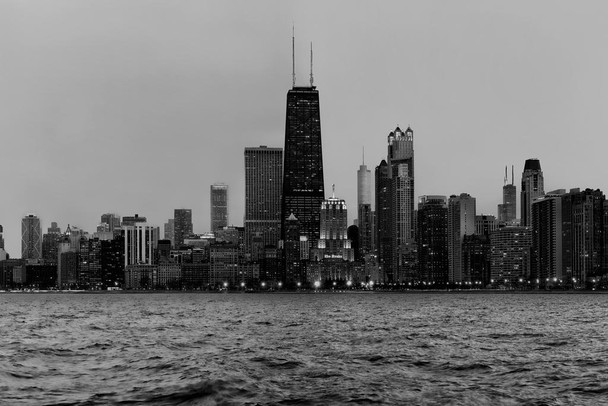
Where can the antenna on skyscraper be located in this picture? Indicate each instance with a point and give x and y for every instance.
(363, 156)
(293, 55)
(311, 78)
(506, 176)
(512, 174)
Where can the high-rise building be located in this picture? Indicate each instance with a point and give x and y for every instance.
(182, 226)
(510, 254)
(333, 242)
(507, 211)
(132, 220)
(140, 242)
(49, 244)
(170, 231)
(31, 238)
(364, 208)
(485, 224)
(461, 222)
(547, 253)
(432, 239)
(401, 173)
(112, 220)
(384, 228)
(1, 238)
(263, 180)
(303, 184)
(532, 186)
(219, 206)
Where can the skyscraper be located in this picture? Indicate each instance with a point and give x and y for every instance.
(461, 222)
(364, 208)
(31, 238)
(49, 244)
(401, 172)
(532, 186)
(263, 179)
(384, 246)
(219, 206)
(333, 242)
(433, 239)
(303, 185)
(507, 211)
(182, 225)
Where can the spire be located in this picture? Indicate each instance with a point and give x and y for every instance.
(293, 56)
(311, 78)
(333, 191)
(512, 174)
(506, 176)
(363, 163)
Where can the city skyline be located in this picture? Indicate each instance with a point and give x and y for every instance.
(77, 117)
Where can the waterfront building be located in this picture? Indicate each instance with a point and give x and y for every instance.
(293, 251)
(510, 255)
(224, 265)
(432, 238)
(333, 242)
(49, 244)
(461, 222)
(140, 243)
(31, 238)
(141, 276)
(401, 171)
(303, 184)
(507, 211)
(263, 186)
(182, 226)
(476, 260)
(547, 252)
(532, 186)
(219, 206)
(384, 245)
(112, 262)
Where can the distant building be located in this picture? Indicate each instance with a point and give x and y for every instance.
(170, 231)
(49, 244)
(333, 242)
(507, 211)
(31, 238)
(219, 206)
(485, 224)
(132, 220)
(263, 184)
(384, 227)
(532, 186)
(476, 259)
(112, 220)
(461, 222)
(182, 226)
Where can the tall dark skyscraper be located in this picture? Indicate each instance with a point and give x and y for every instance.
(182, 225)
(364, 208)
(303, 187)
(433, 239)
(263, 179)
(532, 186)
(31, 237)
(384, 246)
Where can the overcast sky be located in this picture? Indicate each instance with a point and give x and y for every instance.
(139, 106)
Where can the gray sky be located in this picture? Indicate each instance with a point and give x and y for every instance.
(139, 106)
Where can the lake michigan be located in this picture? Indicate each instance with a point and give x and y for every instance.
(303, 349)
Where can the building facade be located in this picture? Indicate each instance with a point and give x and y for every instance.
(263, 186)
(461, 222)
(31, 238)
(364, 209)
(303, 184)
(182, 226)
(219, 206)
(532, 186)
(432, 238)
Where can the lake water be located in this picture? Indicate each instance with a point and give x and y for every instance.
(304, 349)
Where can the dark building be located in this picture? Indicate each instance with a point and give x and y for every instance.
(263, 184)
(303, 185)
(49, 244)
(433, 239)
(532, 186)
(364, 210)
(112, 262)
(292, 251)
(384, 227)
(132, 220)
(476, 259)
(510, 254)
(354, 235)
(182, 226)
(40, 276)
